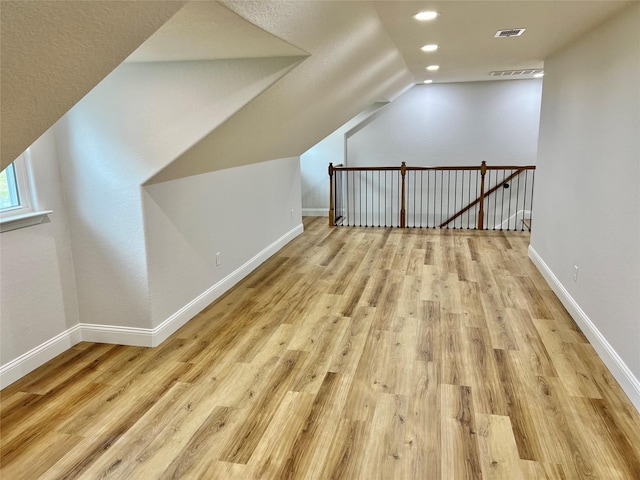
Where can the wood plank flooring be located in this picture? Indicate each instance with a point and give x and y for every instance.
(354, 353)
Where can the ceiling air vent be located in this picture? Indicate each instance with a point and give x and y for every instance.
(510, 32)
(516, 73)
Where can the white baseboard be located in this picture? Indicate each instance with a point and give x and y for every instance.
(142, 337)
(29, 361)
(190, 310)
(136, 337)
(629, 383)
(315, 212)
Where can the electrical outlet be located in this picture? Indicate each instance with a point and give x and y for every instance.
(218, 259)
(575, 273)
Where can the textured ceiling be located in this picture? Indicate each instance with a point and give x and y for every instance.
(465, 31)
(53, 53)
(352, 63)
(209, 31)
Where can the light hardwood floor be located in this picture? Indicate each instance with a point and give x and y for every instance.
(354, 353)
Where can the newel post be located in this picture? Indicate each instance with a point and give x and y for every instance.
(332, 213)
(403, 211)
(483, 171)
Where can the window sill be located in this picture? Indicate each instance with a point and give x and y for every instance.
(23, 220)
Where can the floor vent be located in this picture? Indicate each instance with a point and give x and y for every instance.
(511, 32)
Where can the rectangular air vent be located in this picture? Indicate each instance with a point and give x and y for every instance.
(510, 32)
(516, 73)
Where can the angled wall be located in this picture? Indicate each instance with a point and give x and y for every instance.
(244, 213)
(140, 117)
(53, 53)
(588, 169)
(143, 243)
(315, 162)
(352, 64)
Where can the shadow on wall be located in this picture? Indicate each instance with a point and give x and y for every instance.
(236, 212)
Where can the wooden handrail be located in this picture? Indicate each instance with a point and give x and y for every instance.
(480, 200)
(408, 168)
(403, 169)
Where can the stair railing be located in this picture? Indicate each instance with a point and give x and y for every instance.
(473, 197)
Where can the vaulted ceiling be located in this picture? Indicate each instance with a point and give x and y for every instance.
(53, 53)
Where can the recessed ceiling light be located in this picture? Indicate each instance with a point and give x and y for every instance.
(429, 48)
(426, 15)
(428, 81)
(539, 75)
(433, 68)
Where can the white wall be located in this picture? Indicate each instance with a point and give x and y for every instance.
(352, 64)
(315, 162)
(134, 122)
(238, 212)
(37, 283)
(589, 172)
(454, 124)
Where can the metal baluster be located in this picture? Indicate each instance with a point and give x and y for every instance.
(441, 197)
(524, 209)
(455, 197)
(348, 202)
(428, 195)
(415, 194)
(469, 200)
(477, 205)
(421, 188)
(495, 201)
(354, 199)
(517, 202)
(504, 175)
(390, 197)
(360, 198)
(385, 198)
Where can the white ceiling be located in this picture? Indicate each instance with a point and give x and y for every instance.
(206, 30)
(465, 31)
(54, 52)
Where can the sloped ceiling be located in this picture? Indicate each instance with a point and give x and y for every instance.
(54, 52)
(352, 64)
(210, 31)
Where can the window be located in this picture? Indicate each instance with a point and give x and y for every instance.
(13, 194)
(16, 206)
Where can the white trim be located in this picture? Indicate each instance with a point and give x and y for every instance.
(315, 212)
(23, 220)
(191, 309)
(135, 337)
(143, 337)
(27, 362)
(625, 377)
